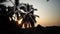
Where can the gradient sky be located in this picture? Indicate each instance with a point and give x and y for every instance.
(49, 12)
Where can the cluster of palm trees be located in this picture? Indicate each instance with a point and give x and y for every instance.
(22, 11)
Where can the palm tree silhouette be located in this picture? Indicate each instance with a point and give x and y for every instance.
(23, 11)
(27, 14)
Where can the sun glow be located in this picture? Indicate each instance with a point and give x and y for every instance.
(15, 19)
(19, 21)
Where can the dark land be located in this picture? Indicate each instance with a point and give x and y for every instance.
(7, 27)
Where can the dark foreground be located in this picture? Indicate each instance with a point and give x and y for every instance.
(36, 30)
(7, 27)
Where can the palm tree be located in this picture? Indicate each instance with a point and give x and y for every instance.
(25, 12)
(27, 15)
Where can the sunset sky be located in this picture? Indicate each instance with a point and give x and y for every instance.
(49, 12)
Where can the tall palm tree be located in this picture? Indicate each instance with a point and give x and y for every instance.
(27, 15)
(25, 12)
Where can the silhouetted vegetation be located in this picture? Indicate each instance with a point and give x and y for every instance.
(10, 27)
